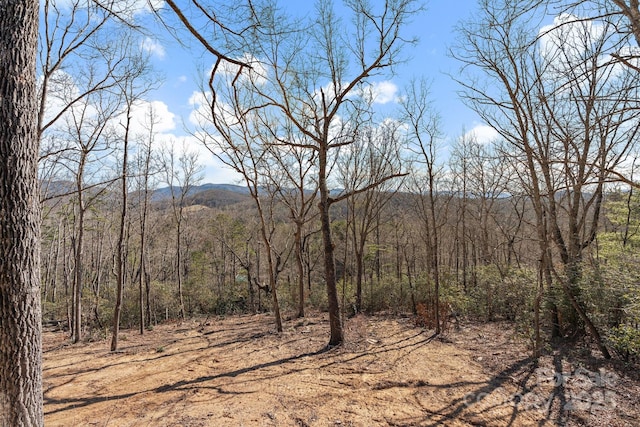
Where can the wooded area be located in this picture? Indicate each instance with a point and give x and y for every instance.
(341, 208)
(533, 228)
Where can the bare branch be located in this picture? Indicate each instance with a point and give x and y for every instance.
(369, 187)
(194, 32)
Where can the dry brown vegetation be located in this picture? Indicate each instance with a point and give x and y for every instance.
(235, 371)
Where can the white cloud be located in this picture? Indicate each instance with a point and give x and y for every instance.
(61, 90)
(482, 134)
(213, 170)
(257, 73)
(381, 92)
(564, 42)
(631, 54)
(133, 8)
(145, 6)
(63, 87)
(216, 172)
(200, 115)
(144, 111)
(153, 47)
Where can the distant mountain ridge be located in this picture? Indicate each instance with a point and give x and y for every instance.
(210, 195)
(163, 193)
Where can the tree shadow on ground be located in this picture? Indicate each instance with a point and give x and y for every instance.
(335, 356)
(496, 401)
(472, 407)
(189, 384)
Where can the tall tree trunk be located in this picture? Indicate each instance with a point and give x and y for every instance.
(122, 258)
(300, 268)
(378, 266)
(143, 282)
(20, 310)
(78, 241)
(273, 283)
(435, 248)
(181, 313)
(409, 262)
(359, 255)
(56, 263)
(335, 325)
(97, 282)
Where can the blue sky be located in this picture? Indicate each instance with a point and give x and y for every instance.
(434, 29)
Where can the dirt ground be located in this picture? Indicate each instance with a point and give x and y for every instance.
(236, 371)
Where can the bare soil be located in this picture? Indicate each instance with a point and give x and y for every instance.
(236, 371)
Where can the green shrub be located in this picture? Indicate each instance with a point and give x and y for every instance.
(625, 340)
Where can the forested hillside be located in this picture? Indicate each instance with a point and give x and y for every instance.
(337, 205)
(352, 186)
(488, 266)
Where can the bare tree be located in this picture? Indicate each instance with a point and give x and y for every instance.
(291, 176)
(484, 176)
(568, 113)
(132, 88)
(88, 127)
(301, 72)
(20, 312)
(242, 142)
(242, 253)
(145, 165)
(630, 11)
(182, 173)
(374, 155)
(424, 134)
(71, 37)
(84, 57)
(79, 55)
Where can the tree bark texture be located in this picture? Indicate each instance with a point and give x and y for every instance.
(335, 323)
(20, 312)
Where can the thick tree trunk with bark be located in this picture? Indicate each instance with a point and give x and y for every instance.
(20, 312)
(335, 324)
